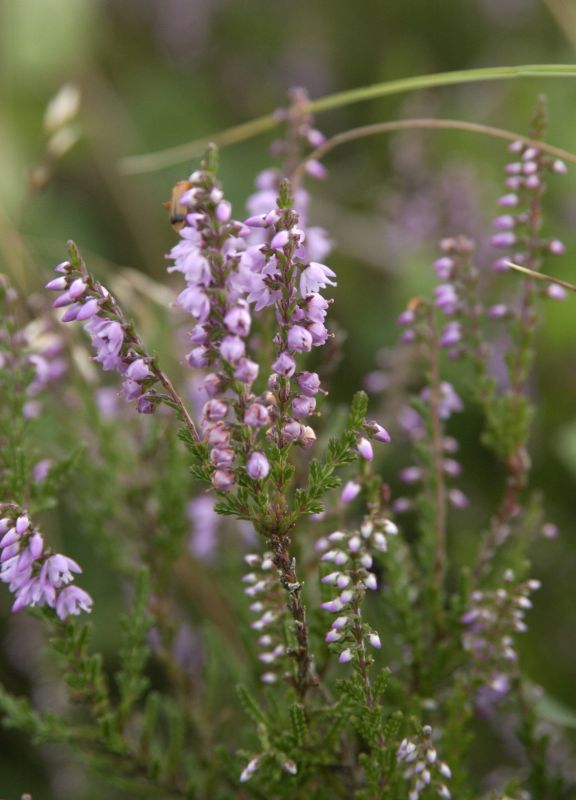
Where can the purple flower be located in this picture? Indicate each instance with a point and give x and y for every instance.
(194, 301)
(498, 311)
(257, 415)
(314, 277)
(451, 334)
(292, 431)
(238, 320)
(379, 433)
(309, 383)
(406, 318)
(232, 349)
(508, 200)
(72, 600)
(88, 310)
(303, 406)
(224, 211)
(316, 169)
(138, 370)
(215, 410)
(41, 471)
(446, 298)
(458, 498)
(284, 365)
(107, 339)
(505, 222)
(350, 492)
(365, 449)
(280, 240)
(315, 307)
(503, 239)
(556, 247)
(299, 339)
(221, 457)
(223, 479)
(443, 267)
(57, 284)
(411, 474)
(556, 292)
(345, 656)
(319, 334)
(257, 466)
(246, 370)
(35, 576)
(77, 288)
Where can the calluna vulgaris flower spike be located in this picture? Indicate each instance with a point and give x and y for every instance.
(226, 274)
(425, 772)
(35, 575)
(351, 554)
(117, 346)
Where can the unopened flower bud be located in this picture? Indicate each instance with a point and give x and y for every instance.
(232, 348)
(307, 437)
(299, 339)
(303, 406)
(215, 410)
(284, 365)
(309, 383)
(350, 492)
(258, 466)
(223, 479)
(246, 370)
(292, 431)
(257, 415)
(365, 449)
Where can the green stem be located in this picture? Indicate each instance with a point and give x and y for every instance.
(149, 162)
(438, 460)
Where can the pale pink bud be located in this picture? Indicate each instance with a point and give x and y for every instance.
(365, 449)
(223, 479)
(508, 200)
(350, 492)
(280, 240)
(258, 466)
(215, 410)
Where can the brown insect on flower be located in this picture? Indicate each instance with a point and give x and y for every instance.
(176, 209)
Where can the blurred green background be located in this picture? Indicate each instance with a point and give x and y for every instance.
(157, 73)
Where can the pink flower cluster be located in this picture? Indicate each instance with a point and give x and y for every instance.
(117, 348)
(34, 575)
(413, 424)
(490, 624)
(518, 229)
(301, 135)
(225, 275)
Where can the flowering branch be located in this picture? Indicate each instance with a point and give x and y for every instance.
(118, 347)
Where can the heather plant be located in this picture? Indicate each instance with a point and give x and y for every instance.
(296, 621)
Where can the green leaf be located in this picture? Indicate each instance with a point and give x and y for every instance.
(250, 705)
(299, 724)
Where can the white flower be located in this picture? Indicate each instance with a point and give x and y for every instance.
(316, 276)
